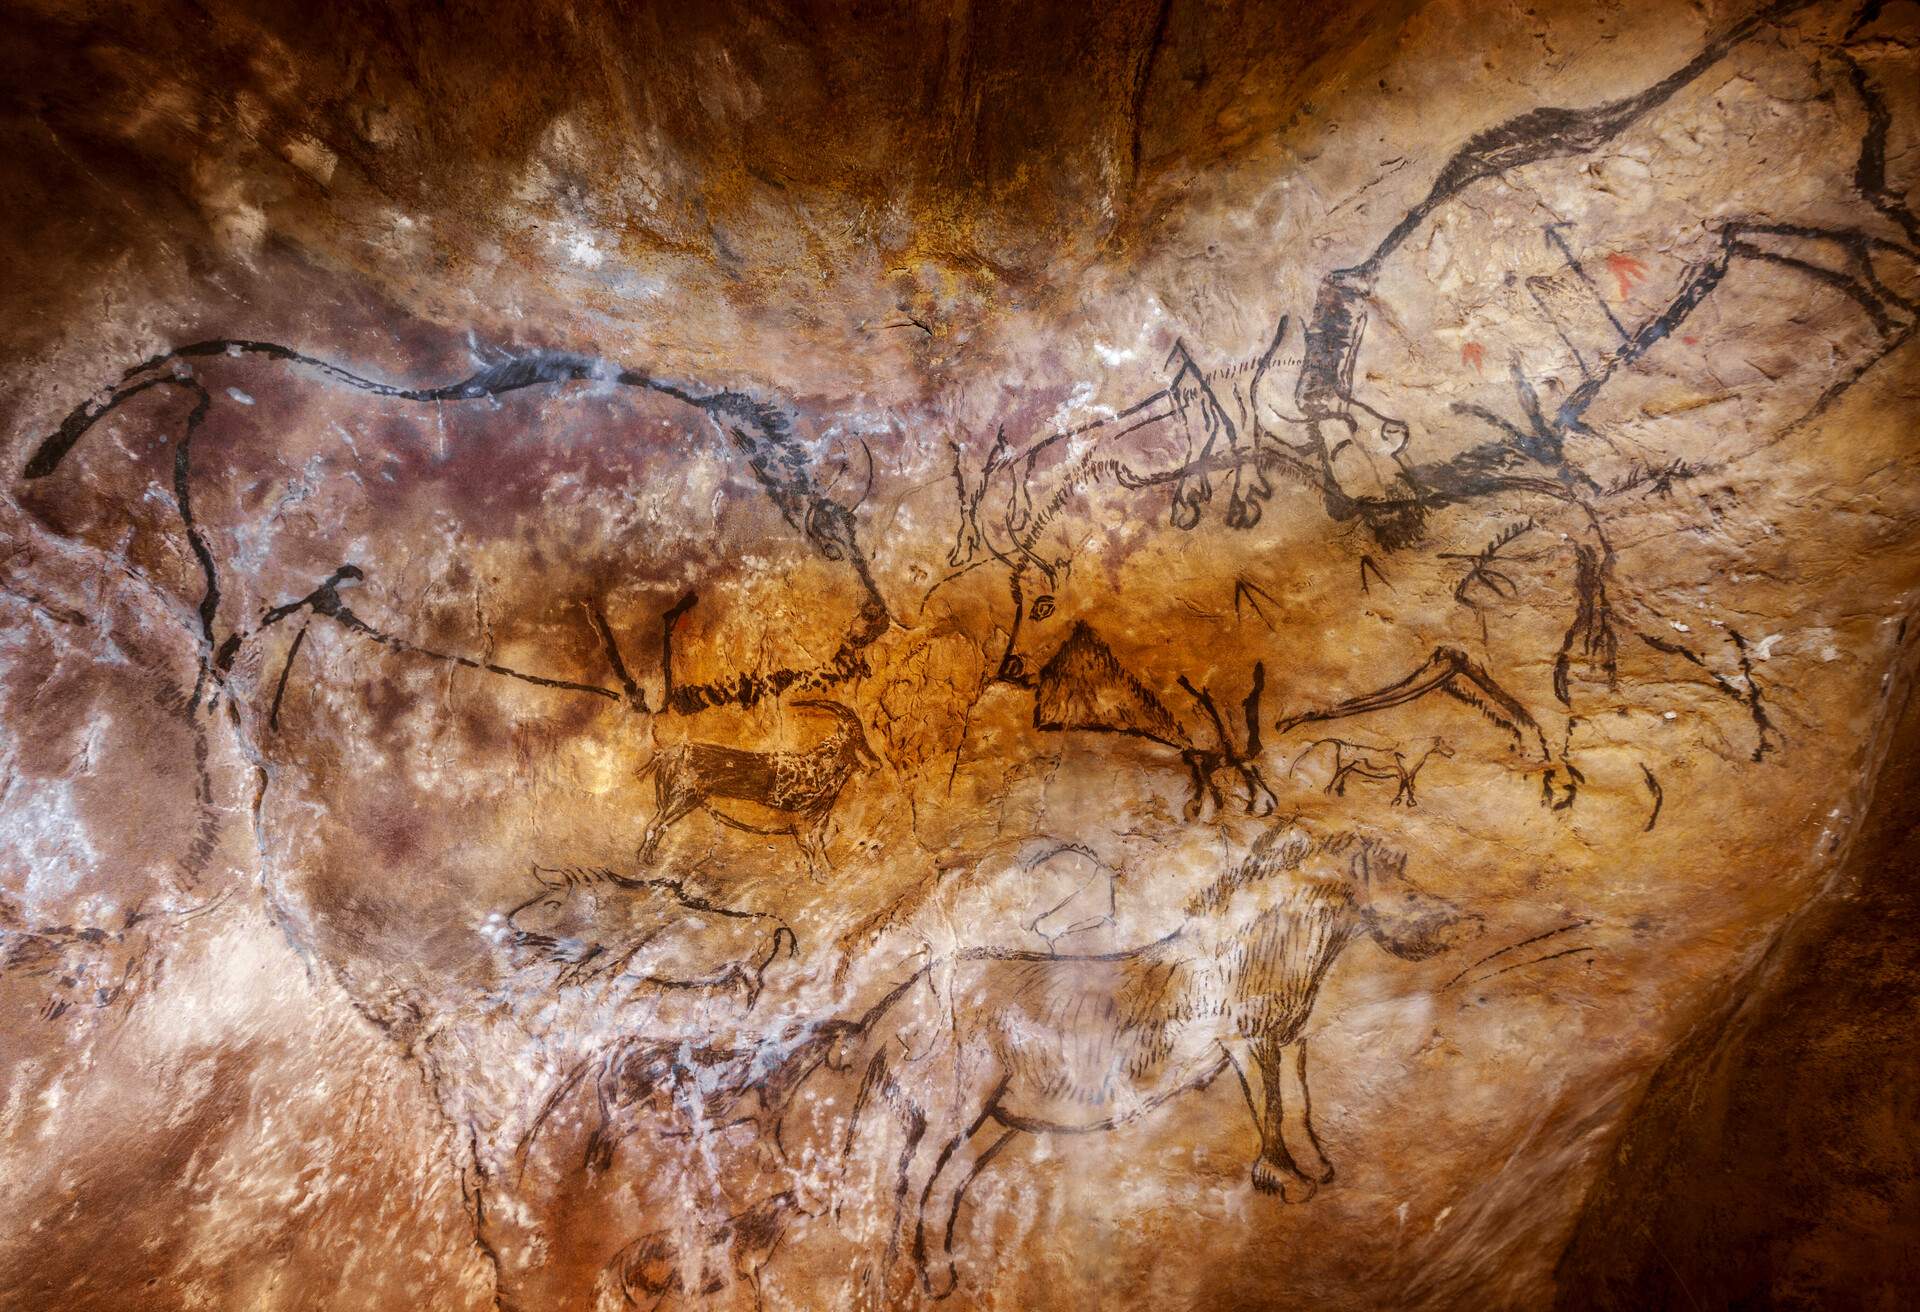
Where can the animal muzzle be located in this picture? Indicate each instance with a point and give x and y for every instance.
(1426, 927)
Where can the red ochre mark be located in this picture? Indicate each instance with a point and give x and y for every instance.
(1691, 340)
(1474, 354)
(1626, 270)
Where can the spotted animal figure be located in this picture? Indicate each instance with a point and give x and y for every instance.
(973, 1050)
(804, 786)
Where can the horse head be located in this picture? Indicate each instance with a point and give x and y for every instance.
(550, 918)
(1403, 918)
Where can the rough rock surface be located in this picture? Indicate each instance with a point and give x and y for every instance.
(749, 657)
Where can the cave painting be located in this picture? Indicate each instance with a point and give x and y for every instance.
(870, 1075)
(802, 785)
(1057, 1043)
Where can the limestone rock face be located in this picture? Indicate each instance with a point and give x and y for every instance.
(1143, 655)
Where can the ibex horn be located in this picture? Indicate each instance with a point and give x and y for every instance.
(831, 708)
(846, 716)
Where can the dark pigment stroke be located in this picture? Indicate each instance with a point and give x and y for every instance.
(761, 432)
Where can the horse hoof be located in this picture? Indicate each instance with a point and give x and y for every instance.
(937, 1290)
(1290, 1185)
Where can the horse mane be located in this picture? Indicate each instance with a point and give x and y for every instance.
(1284, 848)
(557, 877)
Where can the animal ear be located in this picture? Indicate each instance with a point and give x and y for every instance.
(543, 877)
(1294, 848)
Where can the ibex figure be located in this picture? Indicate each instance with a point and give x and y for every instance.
(804, 785)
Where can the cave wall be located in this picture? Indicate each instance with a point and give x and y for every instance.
(1166, 654)
(1771, 1161)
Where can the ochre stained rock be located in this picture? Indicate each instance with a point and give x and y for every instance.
(1149, 655)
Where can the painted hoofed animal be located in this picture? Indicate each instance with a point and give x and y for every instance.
(803, 785)
(707, 1089)
(970, 1051)
(1382, 764)
(595, 926)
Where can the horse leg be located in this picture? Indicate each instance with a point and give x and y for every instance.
(872, 1083)
(810, 832)
(1196, 785)
(876, 1085)
(917, 1148)
(1213, 788)
(757, 977)
(605, 1137)
(962, 1157)
(1256, 787)
(1299, 1122)
(1273, 1169)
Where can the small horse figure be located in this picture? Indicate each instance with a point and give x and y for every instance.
(1384, 764)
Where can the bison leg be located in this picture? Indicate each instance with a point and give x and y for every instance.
(1274, 1171)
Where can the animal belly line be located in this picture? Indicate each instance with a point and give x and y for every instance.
(1042, 1125)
